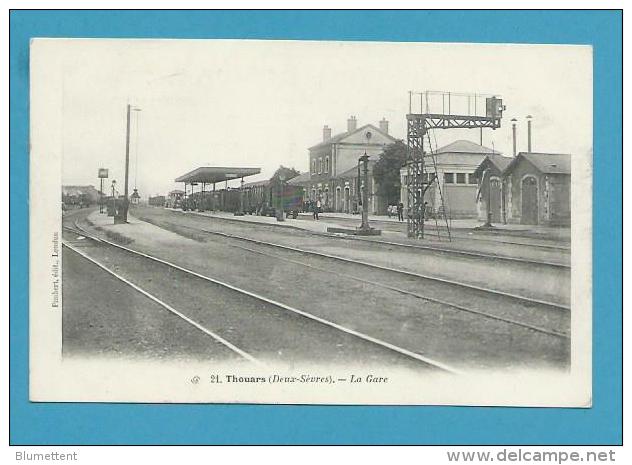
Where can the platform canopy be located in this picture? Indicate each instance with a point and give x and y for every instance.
(213, 174)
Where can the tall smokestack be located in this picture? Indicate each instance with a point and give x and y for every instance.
(326, 133)
(384, 125)
(513, 131)
(352, 124)
(529, 133)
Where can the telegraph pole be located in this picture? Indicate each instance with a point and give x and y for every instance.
(122, 216)
(126, 196)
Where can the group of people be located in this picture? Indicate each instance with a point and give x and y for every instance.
(399, 209)
(314, 206)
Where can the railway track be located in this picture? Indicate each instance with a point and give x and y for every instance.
(466, 253)
(438, 249)
(422, 360)
(245, 355)
(426, 297)
(456, 284)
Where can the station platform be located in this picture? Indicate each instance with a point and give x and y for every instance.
(313, 226)
(457, 224)
(306, 222)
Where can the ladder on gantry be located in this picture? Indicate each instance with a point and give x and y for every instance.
(433, 180)
(457, 111)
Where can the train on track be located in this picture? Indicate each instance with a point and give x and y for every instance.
(260, 198)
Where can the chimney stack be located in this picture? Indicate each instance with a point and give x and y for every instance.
(326, 133)
(384, 125)
(352, 124)
(529, 117)
(513, 132)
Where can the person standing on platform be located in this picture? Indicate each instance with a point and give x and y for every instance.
(400, 211)
(316, 209)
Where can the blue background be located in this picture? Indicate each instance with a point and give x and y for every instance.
(49, 423)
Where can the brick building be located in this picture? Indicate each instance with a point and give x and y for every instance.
(492, 187)
(532, 188)
(456, 164)
(333, 166)
(539, 189)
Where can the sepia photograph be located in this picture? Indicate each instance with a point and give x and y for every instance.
(298, 222)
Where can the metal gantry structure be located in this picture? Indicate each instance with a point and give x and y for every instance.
(439, 110)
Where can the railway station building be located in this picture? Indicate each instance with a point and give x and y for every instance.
(492, 188)
(456, 164)
(539, 189)
(333, 167)
(532, 188)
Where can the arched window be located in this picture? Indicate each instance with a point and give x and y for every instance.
(326, 164)
(320, 165)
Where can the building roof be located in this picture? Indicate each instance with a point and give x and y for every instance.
(465, 146)
(343, 135)
(300, 179)
(464, 159)
(213, 174)
(501, 163)
(547, 163)
(353, 172)
(175, 191)
(461, 152)
(265, 182)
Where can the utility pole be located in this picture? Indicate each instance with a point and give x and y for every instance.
(126, 192)
(122, 218)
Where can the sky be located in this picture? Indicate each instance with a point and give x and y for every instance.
(263, 103)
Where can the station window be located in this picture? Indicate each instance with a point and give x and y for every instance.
(460, 178)
(313, 166)
(448, 178)
(320, 165)
(471, 178)
(326, 164)
(428, 176)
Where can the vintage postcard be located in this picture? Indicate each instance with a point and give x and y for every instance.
(310, 222)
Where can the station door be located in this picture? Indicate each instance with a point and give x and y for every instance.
(529, 201)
